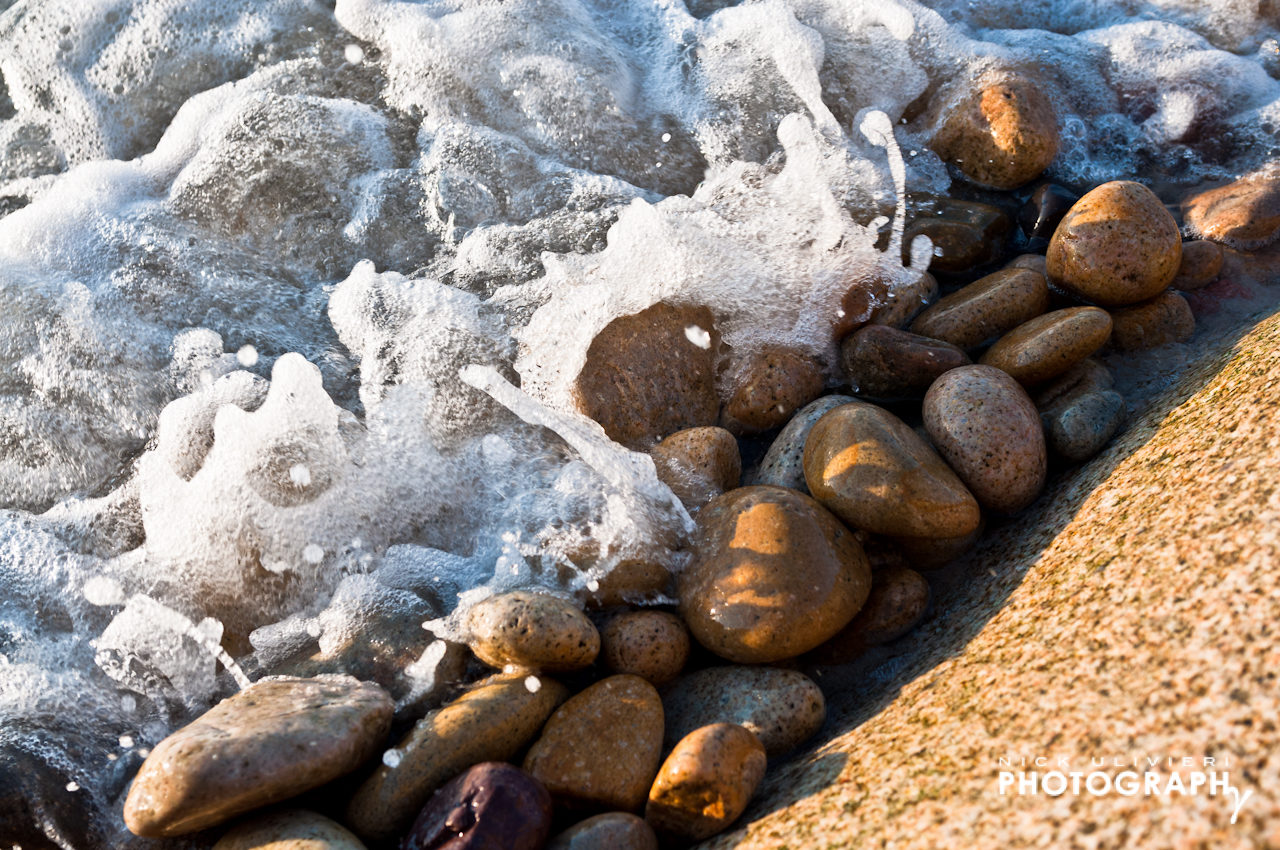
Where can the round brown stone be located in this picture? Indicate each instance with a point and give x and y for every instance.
(986, 308)
(874, 472)
(292, 829)
(1244, 214)
(898, 601)
(653, 645)
(1118, 245)
(904, 302)
(884, 362)
(611, 831)
(771, 385)
(706, 782)
(698, 464)
(1164, 319)
(784, 708)
(1002, 135)
(1201, 264)
(534, 630)
(773, 575)
(1049, 345)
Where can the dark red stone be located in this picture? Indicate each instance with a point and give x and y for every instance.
(492, 806)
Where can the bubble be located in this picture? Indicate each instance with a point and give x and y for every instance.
(102, 591)
(353, 53)
(300, 475)
(698, 336)
(532, 684)
(73, 786)
(392, 758)
(126, 742)
(312, 553)
(247, 356)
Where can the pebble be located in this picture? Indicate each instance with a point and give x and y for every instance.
(1118, 245)
(898, 602)
(1079, 428)
(985, 309)
(1087, 375)
(611, 831)
(769, 387)
(783, 464)
(653, 645)
(534, 630)
(773, 575)
(887, 363)
(292, 829)
(631, 582)
(491, 805)
(986, 426)
(1003, 134)
(965, 234)
(874, 472)
(1043, 211)
(1164, 319)
(644, 378)
(1244, 214)
(1201, 265)
(784, 708)
(903, 302)
(706, 782)
(491, 722)
(698, 464)
(601, 749)
(1049, 345)
(1030, 262)
(932, 553)
(274, 740)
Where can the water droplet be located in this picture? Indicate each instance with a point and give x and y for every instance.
(247, 356)
(391, 758)
(533, 684)
(313, 554)
(353, 53)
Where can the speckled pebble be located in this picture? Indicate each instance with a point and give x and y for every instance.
(1078, 428)
(534, 630)
(783, 464)
(875, 473)
(611, 831)
(271, 741)
(602, 748)
(887, 363)
(1201, 265)
(784, 708)
(769, 387)
(698, 464)
(631, 582)
(773, 575)
(1031, 262)
(986, 426)
(1049, 345)
(1118, 245)
(965, 234)
(706, 782)
(1164, 319)
(1003, 134)
(905, 302)
(1086, 376)
(653, 645)
(985, 309)
(490, 805)
(1244, 214)
(491, 722)
(898, 601)
(292, 829)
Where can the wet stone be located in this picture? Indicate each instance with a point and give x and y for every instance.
(1030, 262)
(1118, 245)
(292, 829)
(630, 582)
(985, 309)
(875, 473)
(490, 805)
(611, 831)
(932, 553)
(783, 464)
(904, 303)
(272, 741)
(653, 645)
(698, 464)
(1049, 345)
(1079, 427)
(1043, 211)
(784, 708)
(986, 426)
(644, 378)
(601, 749)
(534, 630)
(898, 602)
(1164, 319)
(706, 782)
(886, 363)
(1003, 134)
(965, 234)
(769, 387)
(1201, 264)
(773, 575)
(1087, 375)
(1244, 214)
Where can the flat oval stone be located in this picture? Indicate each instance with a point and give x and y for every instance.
(534, 630)
(602, 748)
(868, 468)
(783, 464)
(773, 575)
(706, 782)
(1118, 245)
(985, 309)
(490, 805)
(1087, 375)
(1049, 345)
(632, 581)
(272, 741)
(1003, 134)
(293, 829)
(492, 722)
(898, 601)
(770, 386)
(644, 378)
(964, 234)
(1078, 428)
(1244, 214)
(784, 708)
(902, 303)
(884, 362)
(611, 831)
(653, 645)
(1164, 319)
(698, 464)
(1030, 262)
(986, 426)
(1200, 266)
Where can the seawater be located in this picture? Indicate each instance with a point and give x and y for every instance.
(293, 293)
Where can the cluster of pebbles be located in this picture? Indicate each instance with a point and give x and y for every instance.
(623, 727)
